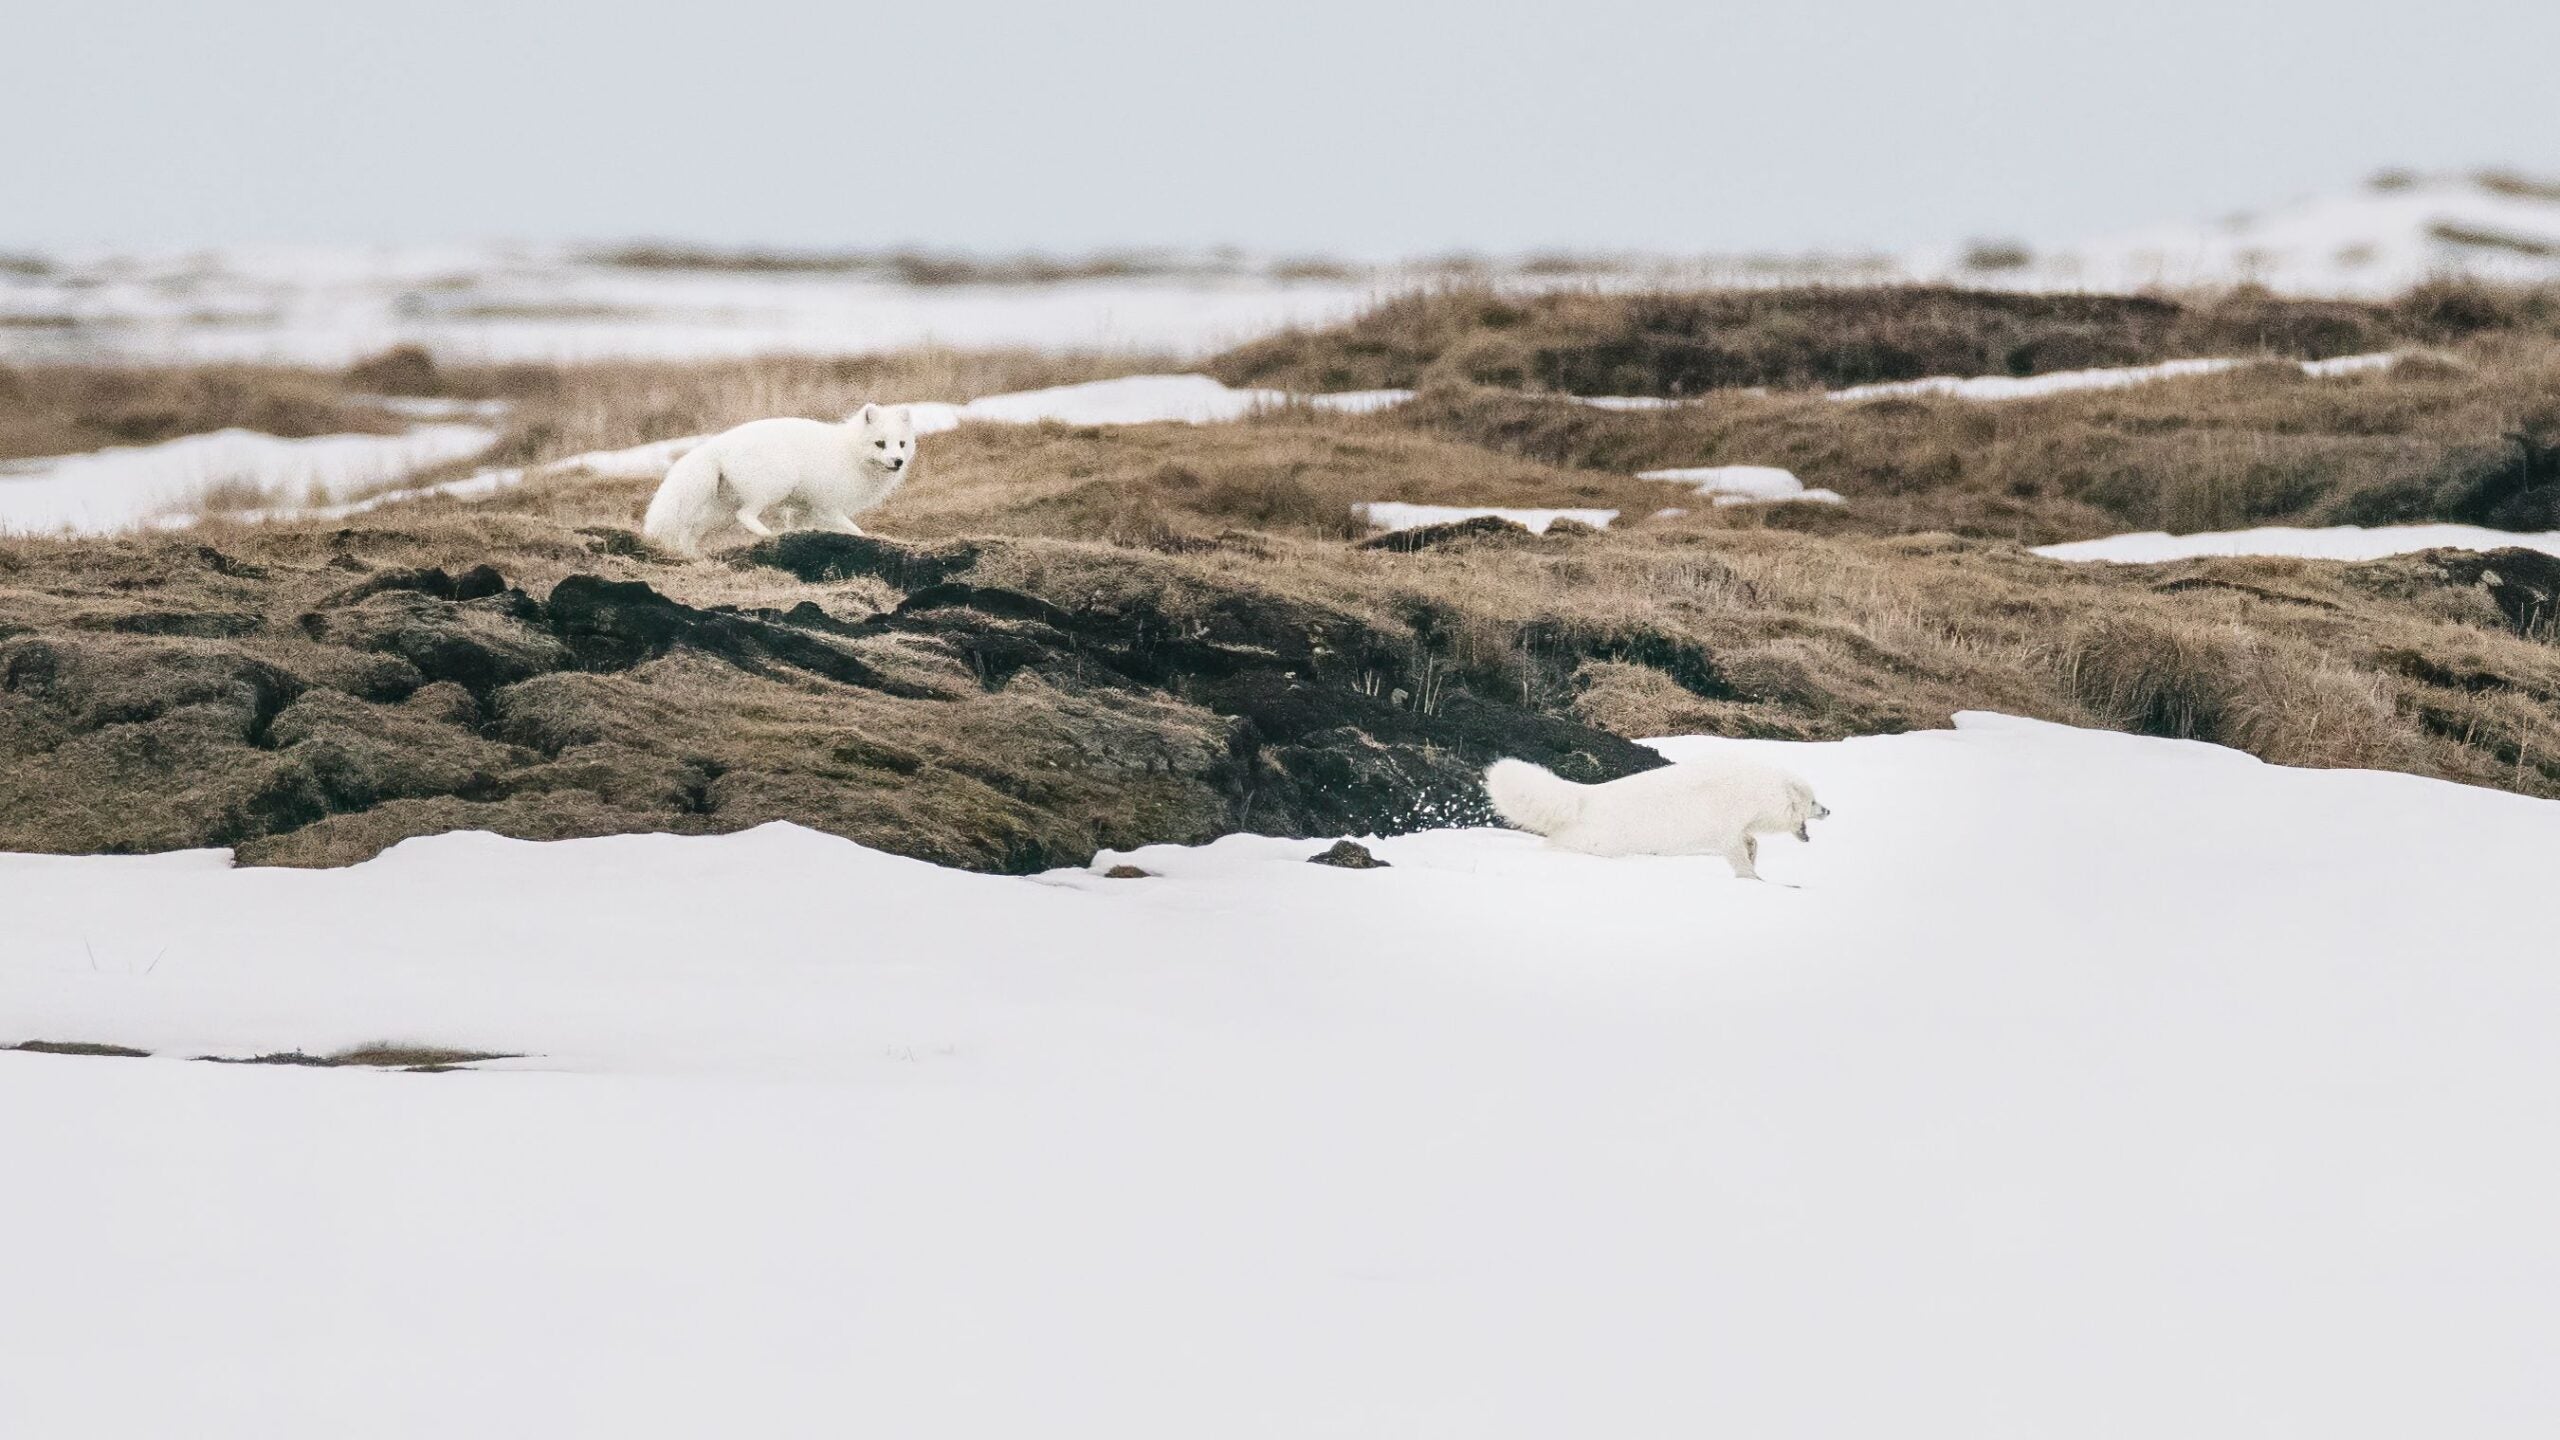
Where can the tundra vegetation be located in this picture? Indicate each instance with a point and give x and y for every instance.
(1075, 637)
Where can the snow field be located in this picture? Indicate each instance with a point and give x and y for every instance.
(2083, 1084)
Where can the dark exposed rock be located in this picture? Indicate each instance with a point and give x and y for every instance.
(2454, 673)
(611, 540)
(1127, 872)
(2521, 587)
(2524, 584)
(2523, 493)
(1320, 742)
(616, 624)
(1553, 651)
(479, 583)
(1477, 529)
(820, 556)
(1348, 855)
(425, 582)
(202, 624)
(809, 615)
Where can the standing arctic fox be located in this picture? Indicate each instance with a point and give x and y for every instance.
(834, 472)
(1703, 807)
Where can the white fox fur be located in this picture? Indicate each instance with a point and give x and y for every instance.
(833, 472)
(1704, 807)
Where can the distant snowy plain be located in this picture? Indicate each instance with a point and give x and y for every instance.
(328, 305)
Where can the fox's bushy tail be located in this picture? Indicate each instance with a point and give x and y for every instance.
(682, 510)
(1532, 797)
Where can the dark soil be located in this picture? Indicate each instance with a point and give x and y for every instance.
(1347, 855)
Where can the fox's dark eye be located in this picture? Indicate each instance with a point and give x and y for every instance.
(883, 444)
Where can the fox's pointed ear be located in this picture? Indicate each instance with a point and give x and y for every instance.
(867, 415)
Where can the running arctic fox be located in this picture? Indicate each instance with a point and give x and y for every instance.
(1703, 807)
(834, 472)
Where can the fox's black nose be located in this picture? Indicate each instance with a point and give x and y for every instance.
(896, 464)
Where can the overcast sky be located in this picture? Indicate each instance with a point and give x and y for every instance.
(1368, 128)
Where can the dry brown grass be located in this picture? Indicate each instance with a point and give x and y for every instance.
(565, 410)
(63, 409)
(1170, 485)
(2429, 439)
(2292, 704)
(2464, 431)
(1689, 343)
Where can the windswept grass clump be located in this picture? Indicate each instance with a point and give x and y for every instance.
(2226, 684)
(90, 1048)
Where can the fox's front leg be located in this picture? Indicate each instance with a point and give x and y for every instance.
(1744, 857)
(751, 519)
(836, 520)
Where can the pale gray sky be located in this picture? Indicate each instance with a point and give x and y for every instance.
(1358, 126)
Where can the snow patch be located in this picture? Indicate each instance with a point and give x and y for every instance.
(1627, 402)
(647, 461)
(2336, 542)
(2028, 387)
(437, 407)
(125, 486)
(1745, 485)
(632, 462)
(1399, 515)
(1154, 399)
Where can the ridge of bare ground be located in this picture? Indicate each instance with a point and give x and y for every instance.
(1101, 638)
